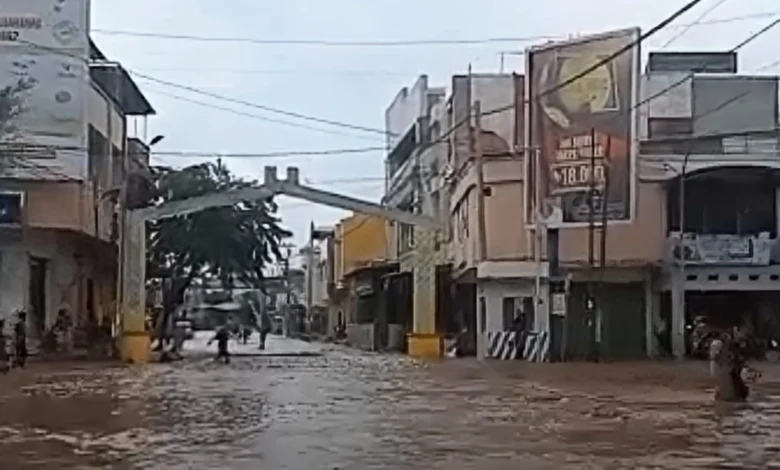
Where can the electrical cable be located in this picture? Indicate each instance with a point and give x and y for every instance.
(269, 109)
(606, 60)
(279, 154)
(392, 43)
(565, 83)
(624, 49)
(687, 28)
(20, 147)
(262, 118)
(221, 97)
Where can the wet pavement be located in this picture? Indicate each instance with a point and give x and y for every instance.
(353, 410)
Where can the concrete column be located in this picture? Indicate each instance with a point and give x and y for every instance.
(678, 314)
(482, 314)
(652, 312)
(424, 340)
(135, 341)
(777, 210)
(542, 308)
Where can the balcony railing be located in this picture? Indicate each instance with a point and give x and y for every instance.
(729, 250)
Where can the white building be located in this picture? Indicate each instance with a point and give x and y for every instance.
(62, 159)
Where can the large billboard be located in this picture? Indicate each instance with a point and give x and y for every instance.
(583, 128)
(44, 49)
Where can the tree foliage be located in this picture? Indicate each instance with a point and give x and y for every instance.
(232, 244)
(11, 107)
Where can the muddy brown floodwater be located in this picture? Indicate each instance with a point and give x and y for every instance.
(351, 410)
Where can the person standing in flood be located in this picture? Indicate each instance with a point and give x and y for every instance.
(20, 340)
(727, 362)
(222, 336)
(4, 365)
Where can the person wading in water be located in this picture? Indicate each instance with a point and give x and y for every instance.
(222, 337)
(728, 360)
(20, 340)
(4, 365)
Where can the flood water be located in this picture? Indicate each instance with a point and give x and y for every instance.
(351, 410)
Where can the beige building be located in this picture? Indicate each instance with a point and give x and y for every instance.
(59, 191)
(616, 294)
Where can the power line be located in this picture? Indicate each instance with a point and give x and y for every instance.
(260, 117)
(392, 43)
(260, 106)
(225, 98)
(337, 72)
(687, 77)
(606, 60)
(454, 127)
(321, 42)
(757, 34)
(20, 148)
(613, 56)
(688, 27)
(277, 154)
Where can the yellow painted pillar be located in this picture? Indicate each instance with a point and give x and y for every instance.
(135, 341)
(425, 341)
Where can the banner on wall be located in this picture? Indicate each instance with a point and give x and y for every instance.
(581, 135)
(44, 50)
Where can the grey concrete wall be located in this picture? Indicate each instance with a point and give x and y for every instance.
(395, 337)
(361, 336)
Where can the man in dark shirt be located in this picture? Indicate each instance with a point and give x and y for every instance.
(20, 340)
(222, 336)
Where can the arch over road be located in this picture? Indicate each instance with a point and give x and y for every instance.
(135, 345)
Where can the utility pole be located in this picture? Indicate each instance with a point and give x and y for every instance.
(479, 163)
(535, 157)
(603, 240)
(310, 272)
(678, 328)
(287, 314)
(590, 302)
(604, 215)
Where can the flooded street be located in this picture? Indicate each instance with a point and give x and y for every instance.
(353, 410)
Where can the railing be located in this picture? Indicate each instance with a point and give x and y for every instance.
(722, 249)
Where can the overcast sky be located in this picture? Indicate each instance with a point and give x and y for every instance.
(355, 84)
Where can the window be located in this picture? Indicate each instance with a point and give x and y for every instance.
(462, 219)
(10, 208)
(508, 312)
(669, 127)
(513, 307)
(97, 145)
(405, 238)
(117, 166)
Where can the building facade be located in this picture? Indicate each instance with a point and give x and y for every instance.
(605, 222)
(494, 271)
(712, 149)
(64, 156)
(416, 122)
(355, 246)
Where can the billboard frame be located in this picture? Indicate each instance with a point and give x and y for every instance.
(532, 193)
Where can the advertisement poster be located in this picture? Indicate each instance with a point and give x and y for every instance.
(44, 48)
(581, 135)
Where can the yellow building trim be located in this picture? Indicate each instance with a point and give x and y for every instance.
(425, 346)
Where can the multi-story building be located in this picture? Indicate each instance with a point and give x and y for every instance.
(64, 155)
(713, 150)
(689, 147)
(355, 253)
(494, 270)
(415, 122)
(597, 263)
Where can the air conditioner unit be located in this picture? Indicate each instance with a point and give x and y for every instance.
(11, 204)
